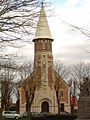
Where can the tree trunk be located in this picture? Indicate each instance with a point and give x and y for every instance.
(59, 107)
(72, 106)
(72, 109)
(0, 114)
(29, 110)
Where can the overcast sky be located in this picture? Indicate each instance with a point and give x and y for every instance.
(69, 43)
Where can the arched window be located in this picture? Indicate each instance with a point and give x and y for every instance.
(37, 44)
(61, 92)
(49, 46)
(43, 44)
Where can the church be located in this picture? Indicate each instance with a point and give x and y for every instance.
(45, 99)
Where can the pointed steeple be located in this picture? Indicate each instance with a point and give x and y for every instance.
(42, 30)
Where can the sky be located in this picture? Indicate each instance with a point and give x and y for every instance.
(69, 44)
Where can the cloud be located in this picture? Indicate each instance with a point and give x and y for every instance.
(86, 4)
(72, 54)
(68, 44)
(73, 3)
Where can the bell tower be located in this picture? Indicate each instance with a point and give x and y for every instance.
(43, 58)
(43, 66)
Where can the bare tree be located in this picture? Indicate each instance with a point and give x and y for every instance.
(79, 72)
(79, 30)
(61, 69)
(25, 70)
(16, 16)
(73, 96)
(62, 74)
(17, 22)
(28, 85)
(75, 28)
(7, 76)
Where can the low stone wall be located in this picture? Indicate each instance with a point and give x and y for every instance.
(84, 108)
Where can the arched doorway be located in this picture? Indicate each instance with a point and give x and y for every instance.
(45, 106)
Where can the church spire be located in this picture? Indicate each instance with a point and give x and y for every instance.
(42, 30)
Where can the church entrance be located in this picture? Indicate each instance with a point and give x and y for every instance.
(45, 106)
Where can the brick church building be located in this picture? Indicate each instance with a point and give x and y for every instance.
(45, 96)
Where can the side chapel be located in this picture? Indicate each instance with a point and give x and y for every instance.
(45, 96)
